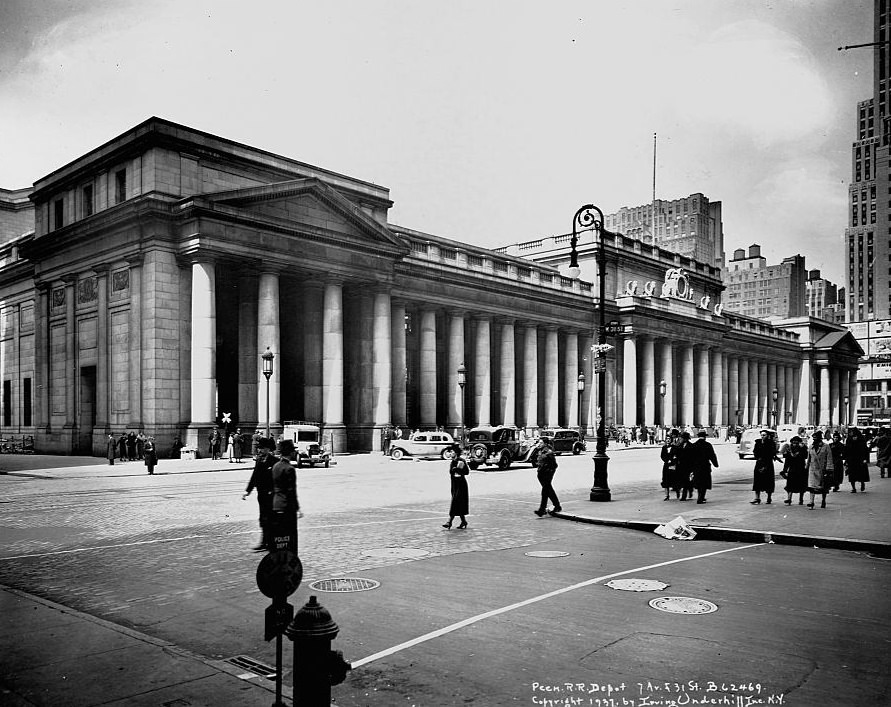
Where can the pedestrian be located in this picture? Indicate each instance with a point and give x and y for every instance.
(458, 471)
(856, 459)
(765, 452)
(837, 448)
(261, 479)
(255, 443)
(397, 433)
(111, 446)
(704, 459)
(210, 443)
(131, 446)
(385, 446)
(285, 505)
(819, 469)
(230, 448)
(882, 445)
(216, 441)
(547, 467)
(795, 470)
(669, 462)
(140, 446)
(237, 444)
(122, 447)
(683, 475)
(150, 454)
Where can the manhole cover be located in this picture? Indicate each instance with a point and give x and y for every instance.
(344, 584)
(683, 605)
(637, 585)
(707, 521)
(395, 553)
(547, 553)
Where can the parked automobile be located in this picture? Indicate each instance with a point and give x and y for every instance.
(309, 450)
(500, 446)
(747, 442)
(423, 445)
(565, 440)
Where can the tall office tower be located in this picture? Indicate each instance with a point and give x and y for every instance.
(757, 289)
(868, 235)
(822, 297)
(690, 226)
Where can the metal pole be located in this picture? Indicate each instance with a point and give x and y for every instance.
(267, 407)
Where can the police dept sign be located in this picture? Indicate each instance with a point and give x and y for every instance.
(676, 286)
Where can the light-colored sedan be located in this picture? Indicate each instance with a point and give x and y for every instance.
(423, 445)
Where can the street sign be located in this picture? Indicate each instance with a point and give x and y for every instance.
(278, 616)
(599, 365)
(614, 327)
(227, 418)
(279, 574)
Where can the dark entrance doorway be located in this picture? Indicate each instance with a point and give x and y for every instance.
(86, 410)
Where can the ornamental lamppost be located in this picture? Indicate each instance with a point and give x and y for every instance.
(663, 389)
(462, 381)
(814, 408)
(268, 357)
(775, 394)
(589, 216)
(581, 389)
(845, 411)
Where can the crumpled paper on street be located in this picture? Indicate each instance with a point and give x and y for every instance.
(676, 529)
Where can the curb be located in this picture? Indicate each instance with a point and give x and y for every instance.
(709, 532)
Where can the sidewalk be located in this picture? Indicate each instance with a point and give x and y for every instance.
(53, 655)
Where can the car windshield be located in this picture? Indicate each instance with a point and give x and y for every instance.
(478, 436)
(307, 436)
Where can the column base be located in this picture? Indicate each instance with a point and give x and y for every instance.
(600, 490)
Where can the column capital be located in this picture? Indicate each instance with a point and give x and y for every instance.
(101, 270)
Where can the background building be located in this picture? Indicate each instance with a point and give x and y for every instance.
(822, 297)
(691, 226)
(757, 289)
(873, 404)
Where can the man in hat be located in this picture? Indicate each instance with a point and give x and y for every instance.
(547, 467)
(703, 459)
(261, 479)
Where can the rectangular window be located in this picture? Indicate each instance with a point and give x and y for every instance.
(120, 186)
(58, 214)
(88, 200)
(7, 403)
(26, 402)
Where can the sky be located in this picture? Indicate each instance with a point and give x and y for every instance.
(490, 122)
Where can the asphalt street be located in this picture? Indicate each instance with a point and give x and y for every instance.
(453, 617)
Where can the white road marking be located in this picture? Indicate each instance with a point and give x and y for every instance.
(533, 600)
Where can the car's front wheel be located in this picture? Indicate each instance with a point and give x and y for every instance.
(577, 449)
(504, 460)
(397, 454)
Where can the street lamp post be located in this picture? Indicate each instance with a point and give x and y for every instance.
(589, 216)
(581, 389)
(775, 394)
(268, 357)
(845, 411)
(814, 409)
(663, 389)
(462, 381)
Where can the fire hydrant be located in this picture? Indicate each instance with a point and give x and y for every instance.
(316, 666)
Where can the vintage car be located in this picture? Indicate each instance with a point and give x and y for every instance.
(564, 440)
(423, 445)
(500, 446)
(309, 450)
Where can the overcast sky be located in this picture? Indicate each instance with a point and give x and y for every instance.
(490, 122)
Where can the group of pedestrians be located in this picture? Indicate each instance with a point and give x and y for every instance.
(275, 481)
(687, 465)
(132, 447)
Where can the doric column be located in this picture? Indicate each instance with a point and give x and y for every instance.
(313, 317)
(823, 402)
(687, 378)
(268, 328)
(789, 404)
(716, 397)
(483, 373)
(70, 349)
(806, 412)
(136, 366)
(381, 365)
(398, 364)
(102, 368)
(204, 337)
(648, 380)
(771, 386)
(629, 380)
(853, 394)
(428, 368)
(733, 386)
(754, 397)
(248, 384)
(551, 377)
(571, 379)
(332, 363)
(667, 374)
(702, 383)
(843, 388)
(456, 359)
(530, 376)
(744, 407)
(40, 416)
(508, 375)
(763, 394)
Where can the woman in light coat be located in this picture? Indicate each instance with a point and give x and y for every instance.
(819, 469)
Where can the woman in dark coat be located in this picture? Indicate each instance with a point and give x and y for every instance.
(458, 471)
(686, 463)
(795, 470)
(150, 454)
(765, 452)
(111, 447)
(704, 459)
(669, 462)
(857, 458)
(837, 450)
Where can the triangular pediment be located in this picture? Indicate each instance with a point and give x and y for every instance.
(840, 343)
(307, 205)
